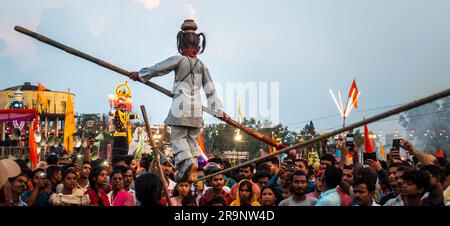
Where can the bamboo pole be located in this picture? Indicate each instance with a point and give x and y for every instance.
(156, 154)
(375, 118)
(225, 118)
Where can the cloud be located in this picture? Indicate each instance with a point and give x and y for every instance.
(96, 14)
(148, 4)
(19, 48)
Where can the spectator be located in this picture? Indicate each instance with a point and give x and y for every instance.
(217, 189)
(262, 178)
(216, 201)
(68, 196)
(96, 190)
(302, 165)
(363, 191)
(52, 159)
(189, 200)
(415, 185)
(41, 192)
(330, 180)
(54, 176)
(118, 160)
(149, 190)
(119, 196)
(347, 174)
(435, 195)
(83, 180)
(246, 173)
(17, 188)
(399, 199)
(8, 169)
(274, 165)
(246, 194)
(286, 190)
(199, 185)
(327, 160)
(391, 183)
(298, 188)
(268, 196)
(318, 186)
(182, 190)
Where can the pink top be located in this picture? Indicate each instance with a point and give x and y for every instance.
(123, 198)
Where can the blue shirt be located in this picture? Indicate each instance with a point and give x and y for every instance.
(329, 198)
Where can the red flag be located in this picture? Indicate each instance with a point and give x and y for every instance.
(201, 143)
(33, 148)
(355, 94)
(440, 154)
(368, 146)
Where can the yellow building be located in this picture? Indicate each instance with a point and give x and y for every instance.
(52, 118)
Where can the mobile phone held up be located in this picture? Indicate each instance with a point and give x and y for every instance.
(396, 144)
(372, 156)
(349, 141)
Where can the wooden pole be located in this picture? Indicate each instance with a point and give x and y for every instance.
(156, 154)
(375, 118)
(225, 118)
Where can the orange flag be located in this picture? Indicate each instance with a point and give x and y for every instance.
(33, 148)
(354, 91)
(201, 143)
(42, 102)
(440, 154)
(368, 145)
(349, 159)
(69, 124)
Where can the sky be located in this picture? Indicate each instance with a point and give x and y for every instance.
(397, 51)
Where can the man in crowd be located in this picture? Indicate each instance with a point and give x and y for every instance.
(54, 176)
(399, 199)
(18, 185)
(298, 188)
(41, 192)
(363, 191)
(217, 184)
(330, 180)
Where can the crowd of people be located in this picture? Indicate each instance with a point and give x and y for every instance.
(422, 180)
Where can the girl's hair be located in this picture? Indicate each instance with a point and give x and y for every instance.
(190, 40)
(249, 186)
(92, 176)
(269, 187)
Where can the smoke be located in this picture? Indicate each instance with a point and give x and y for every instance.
(190, 11)
(148, 4)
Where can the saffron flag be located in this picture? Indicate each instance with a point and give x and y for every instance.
(440, 154)
(368, 146)
(42, 102)
(69, 125)
(201, 143)
(349, 159)
(354, 94)
(33, 148)
(382, 153)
